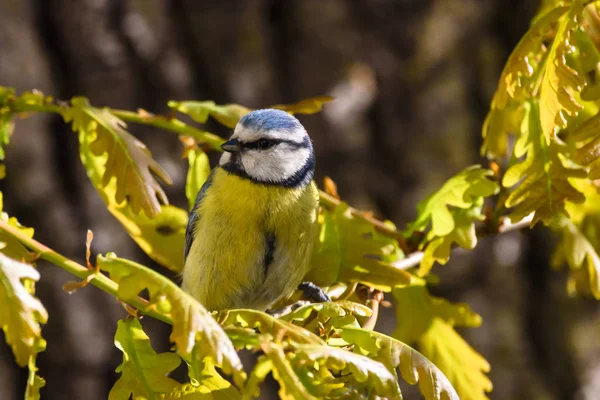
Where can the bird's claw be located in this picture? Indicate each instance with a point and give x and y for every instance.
(313, 292)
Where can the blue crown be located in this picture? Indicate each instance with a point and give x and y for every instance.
(270, 119)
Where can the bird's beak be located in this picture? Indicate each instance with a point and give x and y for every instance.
(232, 146)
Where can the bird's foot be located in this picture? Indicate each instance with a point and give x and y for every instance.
(313, 292)
(280, 312)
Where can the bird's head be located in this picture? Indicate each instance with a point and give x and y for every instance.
(270, 147)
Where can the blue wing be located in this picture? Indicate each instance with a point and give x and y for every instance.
(195, 216)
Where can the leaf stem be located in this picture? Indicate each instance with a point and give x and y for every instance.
(171, 124)
(99, 280)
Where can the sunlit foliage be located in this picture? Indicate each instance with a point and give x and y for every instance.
(541, 137)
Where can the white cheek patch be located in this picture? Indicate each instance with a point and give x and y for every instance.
(275, 165)
(225, 158)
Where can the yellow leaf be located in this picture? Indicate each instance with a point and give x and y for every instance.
(307, 106)
(368, 374)
(34, 381)
(517, 83)
(194, 330)
(6, 119)
(205, 379)
(229, 114)
(259, 373)
(463, 234)
(161, 237)
(579, 254)
(290, 386)
(20, 312)
(266, 324)
(414, 368)
(323, 318)
(143, 372)
(199, 111)
(12, 247)
(429, 321)
(560, 81)
(348, 249)
(128, 160)
(187, 391)
(587, 140)
(543, 178)
(463, 366)
(464, 191)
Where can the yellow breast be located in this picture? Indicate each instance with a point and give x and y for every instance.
(226, 264)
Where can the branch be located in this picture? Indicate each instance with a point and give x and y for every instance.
(214, 142)
(99, 280)
(170, 124)
(414, 259)
(141, 117)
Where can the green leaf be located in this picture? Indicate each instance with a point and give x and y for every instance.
(195, 332)
(307, 106)
(543, 178)
(20, 312)
(417, 308)
(161, 237)
(461, 191)
(560, 82)
(267, 324)
(6, 119)
(128, 160)
(199, 111)
(517, 82)
(348, 249)
(397, 355)
(34, 381)
(438, 250)
(360, 372)
(326, 257)
(12, 247)
(587, 141)
(204, 379)
(430, 322)
(463, 366)
(576, 250)
(328, 310)
(448, 215)
(324, 318)
(199, 169)
(290, 386)
(259, 373)
(143, 372)
(229, 114)
(189, 392)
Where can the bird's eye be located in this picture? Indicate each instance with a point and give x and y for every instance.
(264, 144)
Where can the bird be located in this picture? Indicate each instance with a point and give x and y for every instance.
(251, 230)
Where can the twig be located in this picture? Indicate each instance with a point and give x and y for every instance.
(414, 259)
(99, 280)
(141, 117)
(213, 141)
(329, 201)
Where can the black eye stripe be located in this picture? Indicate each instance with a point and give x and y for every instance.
(256, 144)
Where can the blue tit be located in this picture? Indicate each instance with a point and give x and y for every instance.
(250, 233)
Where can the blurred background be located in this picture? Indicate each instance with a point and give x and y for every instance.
(412, 81)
